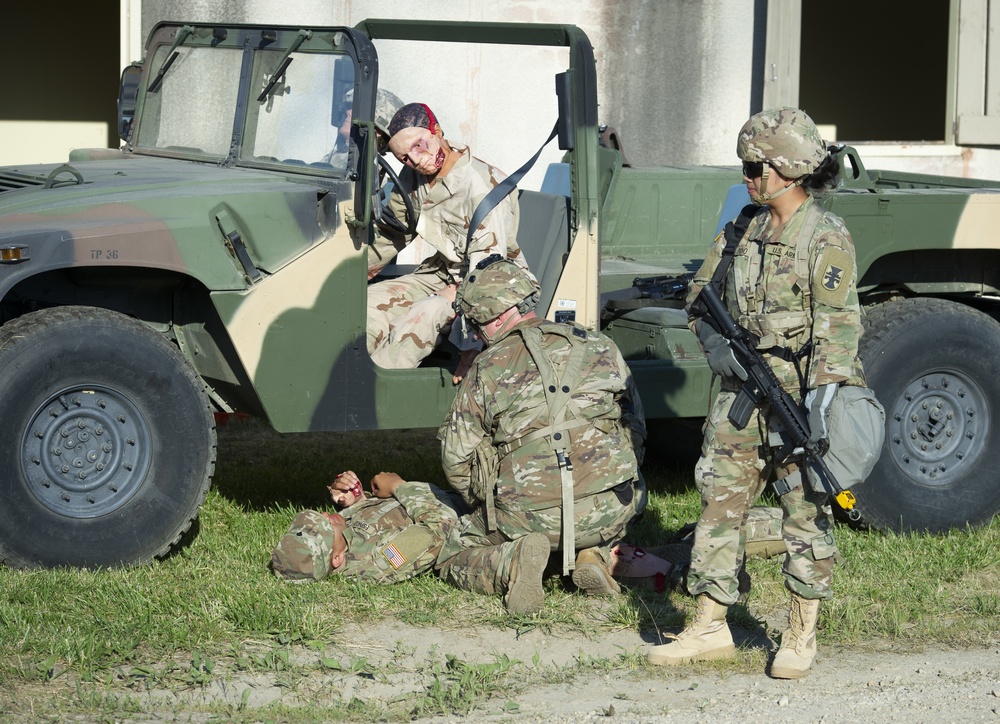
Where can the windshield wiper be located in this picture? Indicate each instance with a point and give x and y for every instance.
(182, 35)
(283, 65)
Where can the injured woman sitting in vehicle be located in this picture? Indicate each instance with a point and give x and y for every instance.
(410, 315)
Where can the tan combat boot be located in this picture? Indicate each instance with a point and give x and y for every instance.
(592, 575)
(524, 588)
(707, 637)
(798, 643)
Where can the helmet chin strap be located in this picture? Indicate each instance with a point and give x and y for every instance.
(507, 323)
(762, 197)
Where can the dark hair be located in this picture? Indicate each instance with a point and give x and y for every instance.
(412, 115)
(825, 177)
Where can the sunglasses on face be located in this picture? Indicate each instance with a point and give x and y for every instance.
(753, 169)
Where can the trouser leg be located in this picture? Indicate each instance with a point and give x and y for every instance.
(807, 529)
(730, 477)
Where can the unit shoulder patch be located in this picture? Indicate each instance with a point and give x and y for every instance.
(832, 276)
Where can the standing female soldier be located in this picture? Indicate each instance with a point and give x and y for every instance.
(792, 283)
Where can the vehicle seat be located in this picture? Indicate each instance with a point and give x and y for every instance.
(543, 235)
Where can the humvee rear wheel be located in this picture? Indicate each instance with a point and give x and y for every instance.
(935, 367)
(112, 440)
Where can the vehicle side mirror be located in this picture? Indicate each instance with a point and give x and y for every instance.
(128, 93)
(564, 95)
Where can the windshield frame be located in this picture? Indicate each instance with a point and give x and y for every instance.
(252, 41)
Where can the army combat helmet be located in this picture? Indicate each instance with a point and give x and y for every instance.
(386, 105)
(303, 553)
(493, 287)
(785, 139)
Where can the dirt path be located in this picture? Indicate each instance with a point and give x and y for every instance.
(568, 677)
(845, 686)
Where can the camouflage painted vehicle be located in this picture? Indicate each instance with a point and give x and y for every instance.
(217, 262)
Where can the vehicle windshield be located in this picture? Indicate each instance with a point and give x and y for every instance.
(306, 116)
(303, 120)
(192, 109)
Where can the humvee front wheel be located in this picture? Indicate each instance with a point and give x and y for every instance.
(935, 367)
(110, 436)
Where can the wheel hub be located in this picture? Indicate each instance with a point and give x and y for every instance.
(86, 451)
(938, 427)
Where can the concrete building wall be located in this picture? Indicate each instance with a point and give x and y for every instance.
(674, 77)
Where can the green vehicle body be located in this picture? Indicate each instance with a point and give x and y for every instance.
(224, 236)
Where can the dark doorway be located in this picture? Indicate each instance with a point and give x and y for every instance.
(875, 70)
(62, 65)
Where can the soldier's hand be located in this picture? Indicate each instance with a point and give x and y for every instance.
(719, 354)
(449, 292)
(346, 489)
(464, 365)
(385, 484)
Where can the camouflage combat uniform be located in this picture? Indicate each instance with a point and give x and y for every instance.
(388, 539)
(501, 406)
(392, 539)
(405, 318)
(767, 296)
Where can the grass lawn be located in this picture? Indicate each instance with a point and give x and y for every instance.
(83, 642)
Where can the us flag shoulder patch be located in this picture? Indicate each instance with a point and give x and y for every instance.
(392, 554)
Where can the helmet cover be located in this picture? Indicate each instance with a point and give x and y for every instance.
(493, 287)
(785, 138)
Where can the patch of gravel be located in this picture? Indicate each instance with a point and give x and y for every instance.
(844, 685)
(583, 679)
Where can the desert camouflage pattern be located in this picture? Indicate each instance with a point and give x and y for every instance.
(501, 400)
(786, 138)
(406, 319)
(302, 555)
(487, 293)
(445, 211)
(238, 252)
(392, 539)
(446, 208)
(764, 293)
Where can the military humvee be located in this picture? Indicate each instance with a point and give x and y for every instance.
(217, 262)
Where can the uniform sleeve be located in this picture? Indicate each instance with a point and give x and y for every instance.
(465, 427)
(836, 310)
(422, 502)
(704, 275)
(389, 242)
(383, 250)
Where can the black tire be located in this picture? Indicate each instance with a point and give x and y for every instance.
(935, 367)
(108, 441)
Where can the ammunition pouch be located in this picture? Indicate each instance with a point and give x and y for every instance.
(483, 480)
(625, 492)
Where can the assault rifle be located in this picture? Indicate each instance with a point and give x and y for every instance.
(763, 386)
(648, 292)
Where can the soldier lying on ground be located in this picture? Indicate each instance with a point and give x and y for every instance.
(395, 535)
(389, 538)
(365, 539)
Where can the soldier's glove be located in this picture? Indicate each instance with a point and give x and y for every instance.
(818, 405)
(718, 353)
